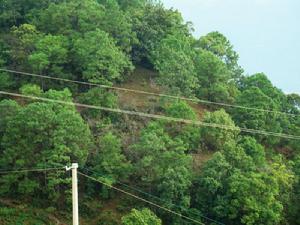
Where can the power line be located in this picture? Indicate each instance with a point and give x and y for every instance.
(141, 199)
(30, 170)
(150, 93)
(155, 116)
(153, 196)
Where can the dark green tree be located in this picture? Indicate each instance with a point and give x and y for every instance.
(152, 24)
(173, 58)
(259, 120)
(70, 17)
(214, 78)
(188, 134)
(162, 166)
(50, 56)
(231, 189)
(98, 97)
(98, 59)
(220, 46)
(108, 163)
(253, 149)
(294, 208)
(214, 138)
(41, 135)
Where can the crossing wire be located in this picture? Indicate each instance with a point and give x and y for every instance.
(148, 93)
(155, 197)
(30, 170)
(155, 116)
(141, 199)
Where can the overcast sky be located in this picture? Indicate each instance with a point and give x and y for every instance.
(265, 33)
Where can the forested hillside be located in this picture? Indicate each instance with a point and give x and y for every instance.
(223, 148)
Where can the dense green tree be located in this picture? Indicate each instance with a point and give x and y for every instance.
(31, 89)
(152, 24)
(14, 12)
(98, 97)
(69, 17)
(8, 108)
(253, 149)
(22, 44)
(180, 109)
(294, 208)
(50, 56)
(188, 134)
(294, 100)
(128, 5)
(259, 120)
(261, 82)
(214, 138)
(40, 135)
(220, 46)
(108, 162)
(119, 25)
(214, 78)
(98, 59)
(162, 165)
(141, 217)
(173, 58)
(6, 81)
(232, 190)
(74, 17)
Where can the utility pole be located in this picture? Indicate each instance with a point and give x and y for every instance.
(74, 192)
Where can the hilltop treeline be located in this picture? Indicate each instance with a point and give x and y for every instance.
(246, 178)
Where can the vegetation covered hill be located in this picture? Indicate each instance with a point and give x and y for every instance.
(212, 175)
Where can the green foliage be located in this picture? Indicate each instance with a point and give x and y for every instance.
(253, 149)
(69, 17)
(180, 109)
(108, 162)
(23, 39)
(41, 135)
(108, 218)
(260, 120)
(16, 216)
(214, 78)
(119, 25)
(98, 59)
(232, 190)
(8, 109)
(173, 58)
(188, 134)
(14, 12)
(31, 89)
(157, 154)
(50, 55)
(141, 217)
(98, 97)
(294, 101)
(294, 208)
(220, 46)
(152, 23)
(215, 138)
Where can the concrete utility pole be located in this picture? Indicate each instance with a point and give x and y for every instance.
(74, 193)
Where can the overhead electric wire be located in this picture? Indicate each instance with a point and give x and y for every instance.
(155, 197)
(30, 170)
(141, 199)
(149, 93)
(155, 116)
